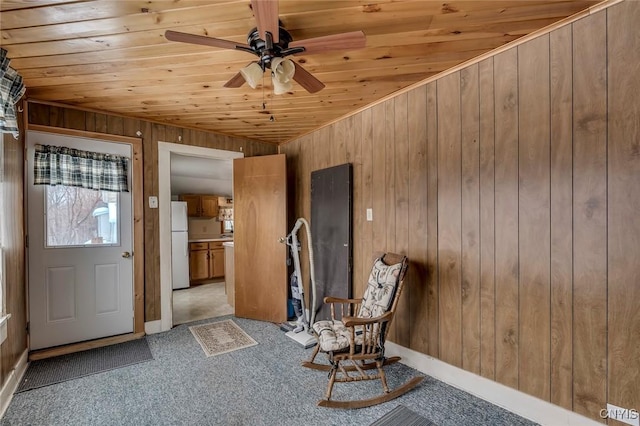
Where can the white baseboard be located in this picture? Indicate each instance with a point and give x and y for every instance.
(12, 382)
(517, 402)
(153, 327)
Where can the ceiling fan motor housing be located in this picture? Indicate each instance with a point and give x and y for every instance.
(266, 50)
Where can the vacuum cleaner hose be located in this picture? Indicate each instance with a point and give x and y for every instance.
(311, 272)
(292, 241)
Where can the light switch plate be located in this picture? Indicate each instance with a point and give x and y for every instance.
(153, 202)
(369, 215)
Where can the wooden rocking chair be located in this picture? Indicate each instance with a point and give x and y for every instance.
(355, 344)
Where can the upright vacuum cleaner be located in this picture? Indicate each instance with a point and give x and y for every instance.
(302, 332)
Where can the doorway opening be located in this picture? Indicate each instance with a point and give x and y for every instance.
(166, 153)
(200, 188)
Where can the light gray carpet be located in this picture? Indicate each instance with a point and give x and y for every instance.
(59, 369)
(260, 385)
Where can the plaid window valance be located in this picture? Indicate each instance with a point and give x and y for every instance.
(11, 90)
(57, 165)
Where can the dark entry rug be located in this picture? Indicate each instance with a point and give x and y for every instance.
(59, 369)
(402, 416)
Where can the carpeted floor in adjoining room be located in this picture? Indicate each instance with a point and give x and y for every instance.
(258, 385)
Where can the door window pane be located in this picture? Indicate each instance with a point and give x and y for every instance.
(79, 216)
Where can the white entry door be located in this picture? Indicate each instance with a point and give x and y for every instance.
(80, 241)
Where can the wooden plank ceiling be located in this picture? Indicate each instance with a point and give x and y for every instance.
(112, 56)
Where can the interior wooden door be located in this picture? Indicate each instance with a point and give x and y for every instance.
(260, 219)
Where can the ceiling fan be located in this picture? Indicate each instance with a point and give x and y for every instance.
(271, 43)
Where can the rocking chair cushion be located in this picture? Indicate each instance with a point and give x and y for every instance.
(381, 287)
(333, 336)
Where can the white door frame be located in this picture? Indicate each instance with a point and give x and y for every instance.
(165, 149)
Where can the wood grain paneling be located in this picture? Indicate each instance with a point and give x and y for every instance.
(589, 215)
(260, 192)
(533, 218)
(155, 132)
(623, 291)
(506, 216)
(449, 219)
(378, 195)
(433, 284)
(470, 222)
(364, 235)
(561, 266)
(417, 274)
(11, 209)
(390, 177)
(402, 319)
(487, 220)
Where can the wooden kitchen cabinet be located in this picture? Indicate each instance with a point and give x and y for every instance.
(209, 205)
(200, 205)
(216, 260)
(198, 261)
(206, 261)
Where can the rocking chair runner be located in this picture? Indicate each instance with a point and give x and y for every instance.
(355, 344)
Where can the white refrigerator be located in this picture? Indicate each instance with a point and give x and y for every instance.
(179, 245)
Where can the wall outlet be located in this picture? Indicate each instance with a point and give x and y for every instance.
(153, 202)
(369, 215)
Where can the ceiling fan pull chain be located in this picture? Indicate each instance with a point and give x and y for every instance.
(273, 107)
(264, 103)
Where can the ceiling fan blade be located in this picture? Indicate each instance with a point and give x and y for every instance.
(306, 80)
(236, 81)
(343, 41)
(266, 13)
(205, 41)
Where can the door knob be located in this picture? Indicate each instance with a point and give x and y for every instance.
(126, 254)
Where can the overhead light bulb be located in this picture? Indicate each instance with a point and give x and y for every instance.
(280, 88)
(252, 74)
(282, 71)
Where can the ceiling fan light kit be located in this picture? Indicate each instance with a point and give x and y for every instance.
(252, 74)
(271, 43)
(282, 71)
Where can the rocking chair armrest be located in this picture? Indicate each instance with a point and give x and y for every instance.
(355, 321)
(331, 299)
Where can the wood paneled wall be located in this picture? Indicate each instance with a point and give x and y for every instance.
(151, 133)
(512, 185)
(11, 210)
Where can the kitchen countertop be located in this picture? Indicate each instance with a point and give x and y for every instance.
(206, 240)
